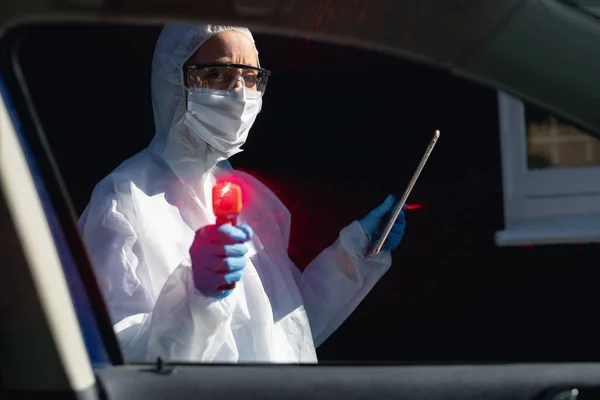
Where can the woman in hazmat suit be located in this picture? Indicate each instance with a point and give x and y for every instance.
(164, 266)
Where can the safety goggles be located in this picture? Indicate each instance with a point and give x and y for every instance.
(225, 77)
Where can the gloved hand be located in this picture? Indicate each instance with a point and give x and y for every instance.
(218, 257)
(372, 224)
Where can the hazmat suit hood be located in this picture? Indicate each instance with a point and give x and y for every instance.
(173, 142)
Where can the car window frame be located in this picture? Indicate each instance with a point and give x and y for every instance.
(52, 190)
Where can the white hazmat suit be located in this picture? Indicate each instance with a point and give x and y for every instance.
(140, 224)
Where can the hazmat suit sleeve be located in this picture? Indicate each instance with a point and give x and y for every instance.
(175, 321)
(338, 279)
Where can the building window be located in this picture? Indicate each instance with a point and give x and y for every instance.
(552, 143)
(551, 177)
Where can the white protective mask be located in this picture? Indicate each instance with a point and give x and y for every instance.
(222, 119)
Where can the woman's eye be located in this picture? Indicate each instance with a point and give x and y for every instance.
(250, 79)
(213, 74)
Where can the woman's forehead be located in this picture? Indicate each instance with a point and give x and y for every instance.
(226, 47)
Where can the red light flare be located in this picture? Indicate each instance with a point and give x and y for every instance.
(248, 195)
(345, 14)
(256, 213)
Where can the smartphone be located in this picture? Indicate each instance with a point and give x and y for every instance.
(376, 246)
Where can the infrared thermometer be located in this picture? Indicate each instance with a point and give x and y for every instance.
(227, 205)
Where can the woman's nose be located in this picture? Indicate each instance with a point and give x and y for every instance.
(239, 81)
(236, 83)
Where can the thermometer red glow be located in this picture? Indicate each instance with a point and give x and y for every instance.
(227, 204)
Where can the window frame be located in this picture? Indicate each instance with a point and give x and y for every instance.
(535, 196)
(102, 345)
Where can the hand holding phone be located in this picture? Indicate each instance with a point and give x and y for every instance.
(376, 246)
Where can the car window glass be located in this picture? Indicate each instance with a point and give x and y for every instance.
(340, 128)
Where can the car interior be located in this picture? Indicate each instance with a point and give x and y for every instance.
(356, 92)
